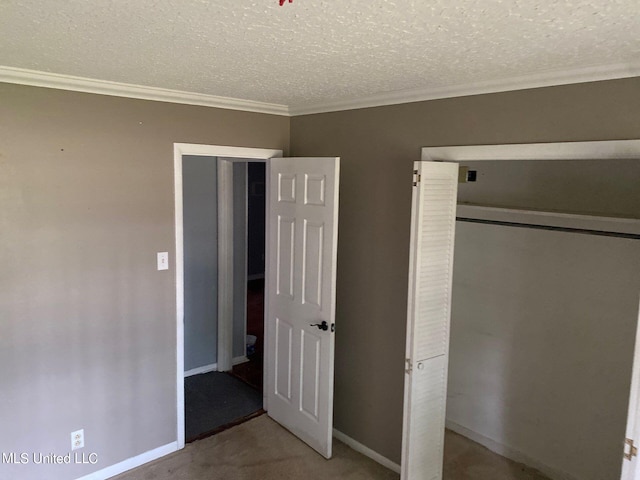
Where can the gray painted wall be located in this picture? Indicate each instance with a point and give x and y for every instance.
(377, 147)
(200, 223)
(87, 323)
(588, 187)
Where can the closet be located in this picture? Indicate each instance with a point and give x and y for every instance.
(544, 308)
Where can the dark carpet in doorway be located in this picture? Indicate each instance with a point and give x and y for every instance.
(216, 399)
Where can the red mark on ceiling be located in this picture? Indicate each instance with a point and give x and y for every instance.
(282, 2)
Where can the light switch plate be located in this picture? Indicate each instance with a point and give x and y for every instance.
(163, 260)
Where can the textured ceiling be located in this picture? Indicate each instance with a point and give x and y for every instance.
(312, 51)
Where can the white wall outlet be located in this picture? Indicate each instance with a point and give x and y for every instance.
(77, 439)
(163, 260)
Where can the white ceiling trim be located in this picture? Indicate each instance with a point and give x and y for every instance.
(547, 79)
(102, 87)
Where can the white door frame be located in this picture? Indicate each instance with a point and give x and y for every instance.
(598, 150)
(225, 294)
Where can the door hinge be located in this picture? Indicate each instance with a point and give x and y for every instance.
(416, 178)
(408, 367)
(633, 450)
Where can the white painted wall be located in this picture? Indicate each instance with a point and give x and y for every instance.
(542, 336)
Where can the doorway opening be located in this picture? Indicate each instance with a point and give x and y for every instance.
(251, 371)
(540, 299)
(300, 258)
(212, 258)
(221, 394)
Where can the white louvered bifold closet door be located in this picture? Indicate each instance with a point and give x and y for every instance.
(433, 219)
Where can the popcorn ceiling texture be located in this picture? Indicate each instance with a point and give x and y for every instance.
(311, 51)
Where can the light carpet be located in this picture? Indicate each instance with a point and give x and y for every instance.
(260, 449)
(465, 459)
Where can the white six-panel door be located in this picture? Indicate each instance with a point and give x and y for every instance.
(433, 217)
(301, 276)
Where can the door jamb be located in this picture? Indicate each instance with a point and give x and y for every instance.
(226, 280)
(179, 150)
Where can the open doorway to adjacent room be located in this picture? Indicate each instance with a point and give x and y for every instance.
(251, 371)
(299, 295)
(218, 393)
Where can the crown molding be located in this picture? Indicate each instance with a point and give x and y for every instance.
(523, 82)
(102, 87)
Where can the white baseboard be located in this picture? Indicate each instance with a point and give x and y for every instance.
(214, 366)
(366, 451)
(205, 369)
(133, 462)
(239, 360)
(509, 452)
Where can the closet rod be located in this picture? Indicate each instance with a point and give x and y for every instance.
(583, 231)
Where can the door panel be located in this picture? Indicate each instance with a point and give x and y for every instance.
(428, 318)
(310, 357)
(303, 213)
(312, 267)
(286, 253)
(283, 368)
